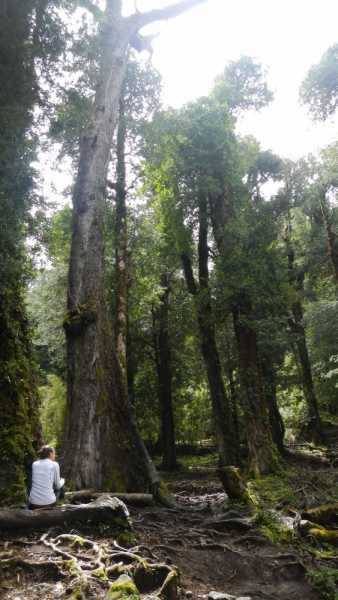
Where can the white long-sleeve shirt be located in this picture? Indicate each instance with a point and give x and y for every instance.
(45, 477)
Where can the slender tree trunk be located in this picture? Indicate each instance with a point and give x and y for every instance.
(270, 389)
(120, 323)
(225, 431)
(233, 398)
(296, 328)
(164, 373)
(263, 454)
(130, 366)
(331, 236)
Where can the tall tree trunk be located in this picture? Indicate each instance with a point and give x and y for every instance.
(130, 366)
(102, 446)
(120, 322)
(331, 236)
(296, 328)
(263, 456)
(270, 389)
(164, 374)
(225, 431)
(262, 452)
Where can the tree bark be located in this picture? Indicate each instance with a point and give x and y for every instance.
(270, 389)
(225, 432)
(331, 236)
(262, 452)
(132, 499)
(106, 509)
(296, 328)
(263, 456)
(120, 321)
(164, 375)
(102, 446)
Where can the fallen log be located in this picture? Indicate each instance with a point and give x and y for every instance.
(132, 499)
(328, 513)
(100, 511)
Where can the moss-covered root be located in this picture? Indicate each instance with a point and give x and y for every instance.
(234, 486)
(123, 588)
(79, 591)
(163, 496)
(322, 514)
(320, 534)
(169, 587)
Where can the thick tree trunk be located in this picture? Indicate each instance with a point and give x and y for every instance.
(225, 432)
(164, 374)
(102, 446)
(262, 452)
(270, 389)
(296, 328)
(120, 322)
(331, 236)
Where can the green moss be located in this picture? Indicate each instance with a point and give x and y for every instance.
(123, 588)
(169, 587)
(20, 430)
(121, 523)
(324, 536)
(127, 540)
(115, 482)
(163, 496)
(100, 574)
(78, 317)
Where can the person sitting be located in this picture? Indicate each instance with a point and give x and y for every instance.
(47, 486)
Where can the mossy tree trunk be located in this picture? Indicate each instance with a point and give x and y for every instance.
(297, 329)
(120, 320)
(225, 432)
(20, 429)
(262, 451)
(164, 377)
(270, 390)
(331, 236)
(102, 447)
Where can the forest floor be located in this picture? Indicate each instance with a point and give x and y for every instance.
(264, 559)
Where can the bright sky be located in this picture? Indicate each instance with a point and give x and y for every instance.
(287, 37)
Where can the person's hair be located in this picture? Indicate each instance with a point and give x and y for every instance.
(45, 451)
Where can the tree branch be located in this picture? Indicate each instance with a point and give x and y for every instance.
(139, 20)
(188, 273)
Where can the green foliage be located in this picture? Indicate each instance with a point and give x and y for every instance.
(46, 300)
(319, 90)
(325, 583)
(242, 87)
(53, 410)
(20, 432)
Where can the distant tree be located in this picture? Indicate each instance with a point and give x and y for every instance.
(319, 89)
(242, 85)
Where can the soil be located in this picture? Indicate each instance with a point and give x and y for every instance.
(208, 553)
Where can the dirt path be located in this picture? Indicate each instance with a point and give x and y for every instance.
(208, 553)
